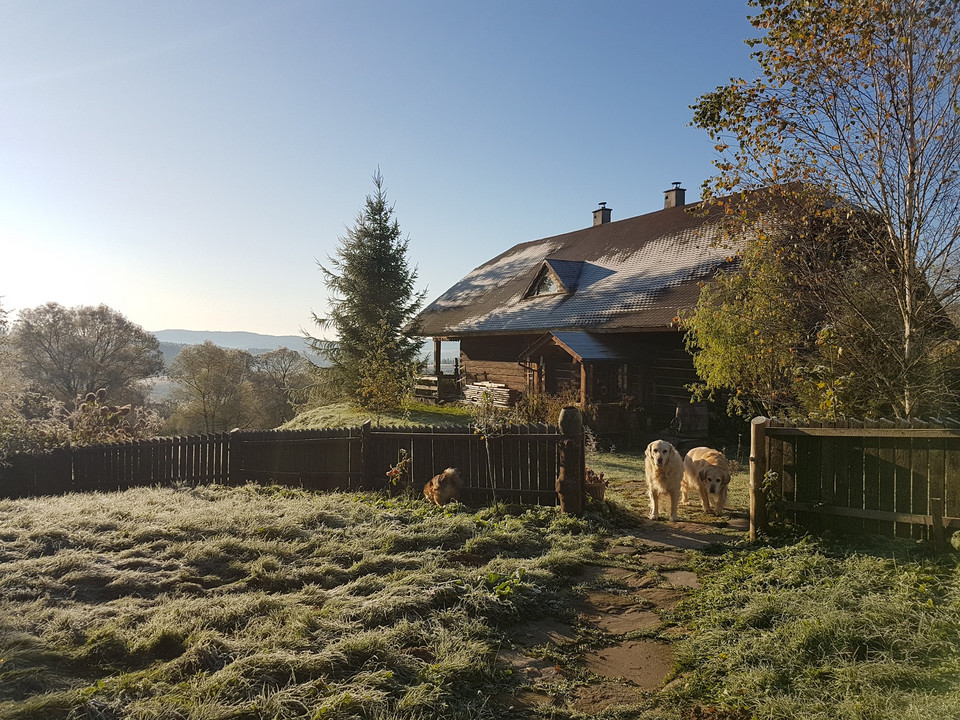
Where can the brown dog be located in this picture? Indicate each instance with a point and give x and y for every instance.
(444, 487)
(706, 471)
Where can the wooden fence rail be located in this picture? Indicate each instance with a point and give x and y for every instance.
(518, 463)
(879, 477)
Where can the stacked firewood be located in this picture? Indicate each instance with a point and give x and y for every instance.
(501, 395)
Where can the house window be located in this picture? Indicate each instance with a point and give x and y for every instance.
(545, 285)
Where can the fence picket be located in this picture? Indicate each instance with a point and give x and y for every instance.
(919, 482)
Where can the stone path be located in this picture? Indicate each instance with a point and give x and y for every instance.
(618, 640)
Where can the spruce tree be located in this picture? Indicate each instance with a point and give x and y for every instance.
(372, 302)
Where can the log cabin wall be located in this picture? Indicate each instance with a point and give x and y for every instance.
(666, 370)
(656, 378)
(495, 359)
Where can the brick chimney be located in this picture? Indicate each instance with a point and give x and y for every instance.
(601, 215)
(674, 197)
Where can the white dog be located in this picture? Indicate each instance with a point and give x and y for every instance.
(664, 468)
(706, 471)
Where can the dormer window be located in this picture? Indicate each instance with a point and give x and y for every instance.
(545, 283)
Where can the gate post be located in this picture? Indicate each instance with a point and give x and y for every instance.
(758, 469)
(570, 480)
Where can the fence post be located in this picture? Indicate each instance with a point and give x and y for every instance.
(758, 469)
(366, 455)
(570, 479)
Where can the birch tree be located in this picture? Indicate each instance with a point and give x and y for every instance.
(858, 101)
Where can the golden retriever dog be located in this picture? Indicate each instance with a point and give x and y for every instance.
(664, 475)
(444, 487)
(706, 471)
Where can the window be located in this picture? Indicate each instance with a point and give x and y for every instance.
(545, 285)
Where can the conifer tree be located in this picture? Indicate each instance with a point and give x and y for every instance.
(372, 297)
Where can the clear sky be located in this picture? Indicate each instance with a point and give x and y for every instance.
(188, 162)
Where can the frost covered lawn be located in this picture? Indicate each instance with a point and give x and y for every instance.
(262, 602)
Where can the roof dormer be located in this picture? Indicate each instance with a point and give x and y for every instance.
(555, 277)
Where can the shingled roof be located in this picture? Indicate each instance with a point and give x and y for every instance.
(633, 274)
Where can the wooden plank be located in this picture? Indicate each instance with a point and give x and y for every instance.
(807, 480)
(951, 491)
(903, 476)
(887, 518)
(789, 467)
(919, 482)
(827, 451)
(871, 475)
(854, 449)
(527, 460)
(936, 473)
(759, 454)
(887, 453)
(841, 477)
(877, 431)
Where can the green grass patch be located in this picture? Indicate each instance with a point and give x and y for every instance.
(810, 628)
(346, 415)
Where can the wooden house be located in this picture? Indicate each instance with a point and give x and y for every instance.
(594, 311)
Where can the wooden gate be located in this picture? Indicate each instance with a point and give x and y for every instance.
(868, 476)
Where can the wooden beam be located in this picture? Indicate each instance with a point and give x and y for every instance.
(866, 432)
(948, 522)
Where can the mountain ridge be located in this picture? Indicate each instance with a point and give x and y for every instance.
(236, 340)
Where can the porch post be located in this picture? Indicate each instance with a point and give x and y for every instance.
(583, 384)
(436, 356)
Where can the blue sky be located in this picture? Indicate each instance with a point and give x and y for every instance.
(187, 163)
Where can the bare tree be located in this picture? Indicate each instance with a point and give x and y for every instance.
(68, 352)
(212, 389)
(282, 378)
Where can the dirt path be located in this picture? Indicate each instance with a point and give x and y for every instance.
(615, 648)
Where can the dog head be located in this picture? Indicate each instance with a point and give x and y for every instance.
(714, 479)
(659, 451)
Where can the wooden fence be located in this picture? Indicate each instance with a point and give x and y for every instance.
(518, 463)
(878, 477)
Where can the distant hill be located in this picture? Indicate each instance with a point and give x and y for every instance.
(170, 351)
(252, 342)
(173, 341)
